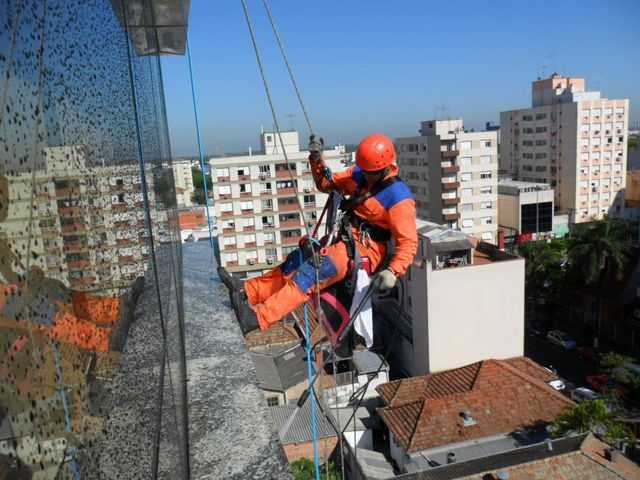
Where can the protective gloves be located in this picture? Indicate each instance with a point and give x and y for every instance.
(316, 145)
(385, 280)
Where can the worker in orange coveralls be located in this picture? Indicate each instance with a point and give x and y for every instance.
(385, 210)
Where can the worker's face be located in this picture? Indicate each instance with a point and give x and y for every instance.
(374, 177)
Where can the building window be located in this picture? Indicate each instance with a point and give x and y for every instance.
(245, 188)
(541, 168)
(251, 238)
(246, 205)
(541, 143)
(541, 116)
(465, 177)
(487, 236)
(272, 401)
(226, 207)
(486, 205)
(265, 187)
(268, 237)
(224, 190)
(541, 155)
(485, 175)
(619, 111)
(596, 112)
(485, 159)
(466, 207)
(229, 240)
(267, 204)
(230, 257)
(465, 145)
(464, 161)
(466, 192)
(265, 170)
(243, 171)
(486, 190)
(487, 220)
(527, 168)
(527, 118)
(485, 143)
(222, 172)
(467, 223)
(309, 200)
(541, 129)
(269, 138)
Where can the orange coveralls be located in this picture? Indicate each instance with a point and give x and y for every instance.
(279, 291)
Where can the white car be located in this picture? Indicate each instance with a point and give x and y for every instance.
(561, 339)
(557, 384)
(581, 394)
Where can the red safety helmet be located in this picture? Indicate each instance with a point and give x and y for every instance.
(375, 152)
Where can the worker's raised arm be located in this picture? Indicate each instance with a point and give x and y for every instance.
(323, 177)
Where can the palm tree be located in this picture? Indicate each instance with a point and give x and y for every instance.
(598, 251)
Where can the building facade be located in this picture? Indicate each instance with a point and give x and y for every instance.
(257, 202)
(183, 180)
(465, 299)
(525, 208)
(574, 140)
(453, 175)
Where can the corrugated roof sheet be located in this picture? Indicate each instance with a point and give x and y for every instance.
(299, 430)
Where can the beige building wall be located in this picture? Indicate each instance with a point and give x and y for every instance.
(573, 139)
(255, 203)
(453, 175)
(183, 179)
(466, 314)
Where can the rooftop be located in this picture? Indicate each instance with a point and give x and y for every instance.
(280, 368)
(508, 185)
(299, 430)
(500, 396)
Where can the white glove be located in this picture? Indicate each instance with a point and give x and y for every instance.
(386, 280)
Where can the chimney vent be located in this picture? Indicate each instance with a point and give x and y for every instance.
(451, 457)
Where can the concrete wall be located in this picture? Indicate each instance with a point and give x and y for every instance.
(509, 211)
(475, 312)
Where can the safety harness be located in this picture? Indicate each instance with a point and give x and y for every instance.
(342, 221)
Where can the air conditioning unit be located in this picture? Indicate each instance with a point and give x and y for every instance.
(270, 260)
(307, 190)
(263, 177)
(251, 261)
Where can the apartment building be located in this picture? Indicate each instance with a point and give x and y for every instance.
(453, 175)
(87, 226)
(183, 181)
(257, 202)
(573, 139)
(465, 299)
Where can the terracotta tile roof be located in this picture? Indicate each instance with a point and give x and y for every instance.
(501, 396)
(531, 368)
(589, 462)
(276, 334)
(192, 219)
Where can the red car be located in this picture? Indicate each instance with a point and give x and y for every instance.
(603, 383)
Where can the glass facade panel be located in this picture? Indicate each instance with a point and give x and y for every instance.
(88, 242)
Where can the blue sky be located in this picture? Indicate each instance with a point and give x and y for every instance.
(379, 65)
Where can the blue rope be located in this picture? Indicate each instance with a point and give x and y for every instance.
(312, 399)
(200, 152)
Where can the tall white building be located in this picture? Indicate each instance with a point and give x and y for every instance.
(453, 175)
(183, 180)
(573, 139)
(256, 208)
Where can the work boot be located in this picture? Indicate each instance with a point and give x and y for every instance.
(232, 283)
(237, 297)
(246, 318)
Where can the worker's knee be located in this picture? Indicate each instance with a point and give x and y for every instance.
(292, 262)
(305, 277)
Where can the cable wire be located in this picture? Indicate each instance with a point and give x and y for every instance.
(286, 61)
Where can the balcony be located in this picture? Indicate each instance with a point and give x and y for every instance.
(75, 228)
(291, 240)
(449, 153)
(285, 173)
(290, 223)
(250, 245)
(229, 230)
(286, 191)
(245, 194)
(450, 169)
(450, 185)
(78, 264)
(450, 201)
(244, 177)
(223, 179)
(228, 248)
(287, 207)
(247, 211)
(249, 228)
(226, 214)
(451, 216)
(310, 205)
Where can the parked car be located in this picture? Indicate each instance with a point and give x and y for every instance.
(581, 394)
(561, 339)
(603, 383)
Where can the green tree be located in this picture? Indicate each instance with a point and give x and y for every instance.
(592, 416)
(544, 271)
(304, 469)
(598, 252)
(198, 195)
